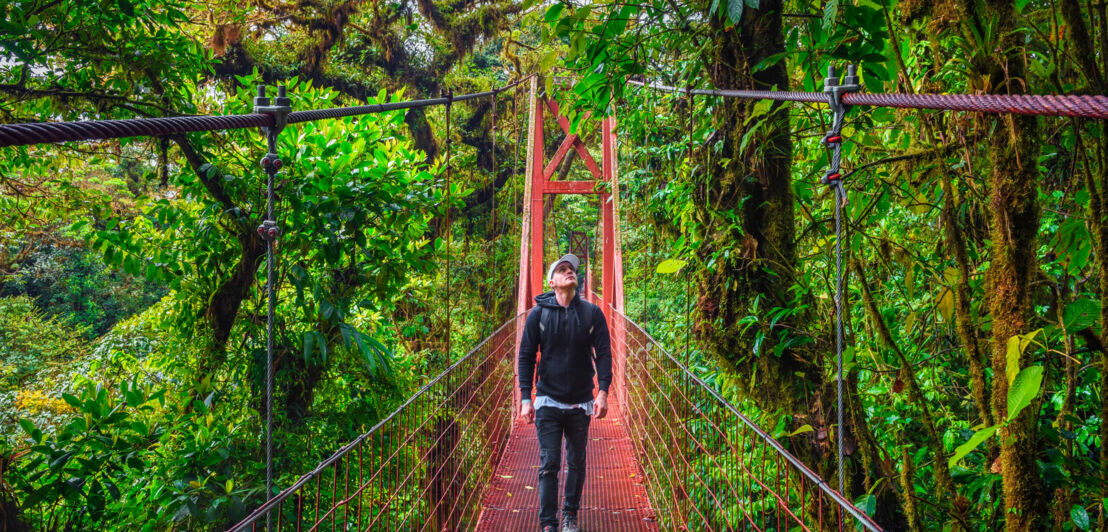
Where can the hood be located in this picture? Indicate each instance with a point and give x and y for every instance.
(547, 299)
(562, 318)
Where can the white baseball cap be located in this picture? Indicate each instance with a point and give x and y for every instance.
(568, 257)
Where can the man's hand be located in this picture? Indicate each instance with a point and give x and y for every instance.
(527, 412)
(600, 406)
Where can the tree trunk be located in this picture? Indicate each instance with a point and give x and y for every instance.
(753, 203)
(1014, 222)
(1099, 226)
(223, 304)
(967, 333)
(934, 439)
(760, 191)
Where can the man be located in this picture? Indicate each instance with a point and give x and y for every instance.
(568, 330)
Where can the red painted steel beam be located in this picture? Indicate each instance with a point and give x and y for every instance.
(559, 156)
(572, 187)
(537, 190)
(607, 207)
(586, 157)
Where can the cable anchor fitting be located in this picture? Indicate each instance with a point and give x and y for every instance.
(271, 162)
(279, 110)
(833, 139)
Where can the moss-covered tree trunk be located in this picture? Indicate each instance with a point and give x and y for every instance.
(756, 188)
(1098, 206)
(1085, 54)
(964, 322)
(1014, 222)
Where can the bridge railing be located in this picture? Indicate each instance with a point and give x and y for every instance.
(423, 467)
(706, 465)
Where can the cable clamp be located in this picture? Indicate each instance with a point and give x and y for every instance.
(279, 110)
(833, 139)
(271, 163)
(269, 231)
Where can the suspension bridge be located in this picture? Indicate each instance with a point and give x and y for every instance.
(673, 454)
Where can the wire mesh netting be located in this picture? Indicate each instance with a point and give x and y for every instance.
(424, 467)
(707, 466)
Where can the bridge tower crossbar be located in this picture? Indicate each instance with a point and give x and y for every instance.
(539, 184)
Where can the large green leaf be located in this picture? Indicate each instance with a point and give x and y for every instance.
(671, 266)
(830, 13)
(1080, 517)
(962, 450)
(1080, 315)
(867, 503)
(553, 13)
(1016, 346)
(1024, 389)
(735, 10)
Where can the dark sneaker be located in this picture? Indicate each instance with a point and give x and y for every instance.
(569, 522)
(549, 528)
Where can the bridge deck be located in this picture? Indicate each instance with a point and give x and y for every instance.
(614, 498)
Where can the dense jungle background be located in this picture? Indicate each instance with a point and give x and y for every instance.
(132, 320)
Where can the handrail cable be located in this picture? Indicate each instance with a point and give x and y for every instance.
(1073, 105)
(27, 133)
(22, 134)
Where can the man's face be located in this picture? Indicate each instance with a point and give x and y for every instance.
(564, 276)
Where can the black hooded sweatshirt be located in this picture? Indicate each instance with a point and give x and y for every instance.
(567, 337)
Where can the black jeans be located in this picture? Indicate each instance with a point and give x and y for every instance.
(552, 424)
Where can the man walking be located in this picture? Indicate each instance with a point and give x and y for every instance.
(568, 330)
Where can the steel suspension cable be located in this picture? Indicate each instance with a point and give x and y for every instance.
(271, 311)
(495, 174)
(447, 227)
(840, 197)
(1073, 105)
(832, 177)
(27, 133)
(269, 231)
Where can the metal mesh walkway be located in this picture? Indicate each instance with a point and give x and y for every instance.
(614, 497)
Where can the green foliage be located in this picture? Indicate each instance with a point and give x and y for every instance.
(105, 49)
(30, 341)
(1024, 389)
(919, 175)
(75, 285)
(361, 275)
(1080, 517)
(671, 266)
(971, 444)
(1081, 315)
(136, 456)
